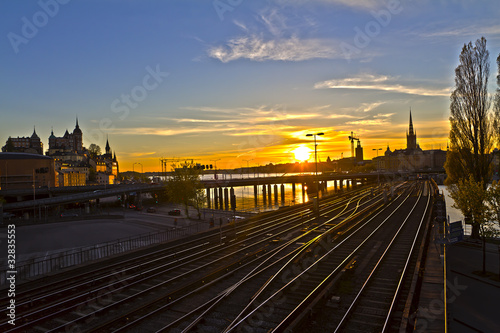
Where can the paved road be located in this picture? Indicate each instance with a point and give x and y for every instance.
(43, 239)
(476, 306)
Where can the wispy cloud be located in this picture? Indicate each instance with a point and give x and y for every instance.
(241, 121)
(383, 83)
(143, 154)
(274, 36)
(471, 30)
(369, 122)
(357, 4)
(288, 49)
(340, 116)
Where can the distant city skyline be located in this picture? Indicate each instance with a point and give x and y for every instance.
(240, 81)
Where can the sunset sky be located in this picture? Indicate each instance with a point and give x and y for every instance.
(235, 80)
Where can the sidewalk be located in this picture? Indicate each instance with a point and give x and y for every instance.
(473, 300)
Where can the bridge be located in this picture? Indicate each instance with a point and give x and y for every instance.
(218, 191)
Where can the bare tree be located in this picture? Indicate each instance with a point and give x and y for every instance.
(472, 133)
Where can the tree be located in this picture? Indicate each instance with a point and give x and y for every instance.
(472, 132)
(470, 198)
(493, 202)
(94, 150)
(185, 186)
(496, 103)
(9, 146)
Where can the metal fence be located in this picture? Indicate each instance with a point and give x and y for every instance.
(60, 260)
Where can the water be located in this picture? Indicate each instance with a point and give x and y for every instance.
(245, 194)
(454, 214)
(245, 200)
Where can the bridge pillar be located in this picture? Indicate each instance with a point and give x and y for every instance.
(270, 194)
(282, 194)
(335, 186)
(216, 199)
(226, 199)
(208, 198)
(293, 191)
(303, 191)
(264, 194)
(256, 195)
(233, 199)
(275, 193)
(221, 198)
(347, 184)
(341, 182)
(354, 183)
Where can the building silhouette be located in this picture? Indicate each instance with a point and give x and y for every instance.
(30, 145)
(412, 158)
(68, 143)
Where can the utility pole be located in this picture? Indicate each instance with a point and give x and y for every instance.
(316, 203)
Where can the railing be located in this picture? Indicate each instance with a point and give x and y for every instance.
(64, 259)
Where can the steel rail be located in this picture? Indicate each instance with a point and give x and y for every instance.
(382, 257)
(211, 303)
(227, 292)
(122, 281)
(400, 282)
(234, 325)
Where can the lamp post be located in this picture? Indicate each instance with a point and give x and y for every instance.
(378, 173)
(248, 166)
(142, 170)
(316, 163)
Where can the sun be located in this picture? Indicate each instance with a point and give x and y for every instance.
(302, 153)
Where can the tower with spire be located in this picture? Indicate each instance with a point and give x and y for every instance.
(69, 142)
(31, 144)
(108, 148)
(411, 136)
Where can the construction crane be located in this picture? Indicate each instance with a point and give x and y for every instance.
(352, 138)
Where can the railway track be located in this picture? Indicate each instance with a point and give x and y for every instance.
(78, 300)
(213, 312)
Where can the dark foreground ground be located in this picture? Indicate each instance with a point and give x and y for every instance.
(474, 300)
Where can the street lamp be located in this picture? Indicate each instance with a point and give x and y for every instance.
(142, 170)
(316, 163)
(248, 166)
(215, 167)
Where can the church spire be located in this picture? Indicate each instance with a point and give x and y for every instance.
(411, 136)
(108, 148)
(411, 124)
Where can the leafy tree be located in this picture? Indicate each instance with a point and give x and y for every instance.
(92, 175)
(472, 133)
(94, 150)
(493, 201)
(470, 198)
(9, 146)
(185, 186)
